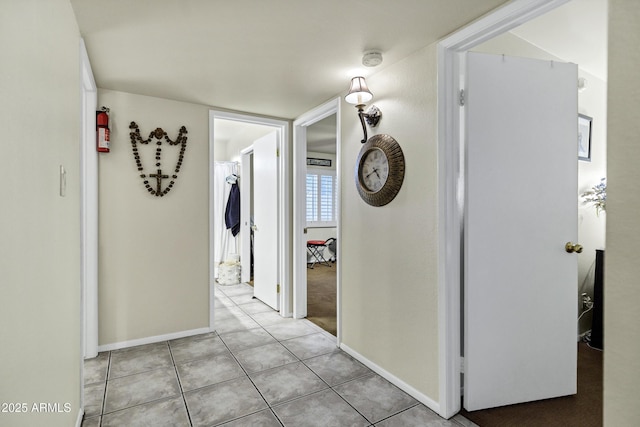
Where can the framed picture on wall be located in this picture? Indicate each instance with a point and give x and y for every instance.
(584, 137)
(318, 162)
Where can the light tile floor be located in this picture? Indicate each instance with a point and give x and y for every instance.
(257, 369)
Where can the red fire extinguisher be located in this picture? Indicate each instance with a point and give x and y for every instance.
(102, 130)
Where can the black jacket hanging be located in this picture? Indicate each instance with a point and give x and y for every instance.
(232, 212)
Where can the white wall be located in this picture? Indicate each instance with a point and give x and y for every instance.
(622, 269)
(229, 149)
(220, 151)
(389, 296)
(40, 350)
(154, 251)
(591, 102)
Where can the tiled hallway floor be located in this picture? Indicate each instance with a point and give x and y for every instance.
(257, 369)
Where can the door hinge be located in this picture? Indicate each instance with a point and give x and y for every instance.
(462, 96)
(277, 152)
(278, 288)
(462, 364)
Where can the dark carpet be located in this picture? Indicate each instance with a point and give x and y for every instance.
(584, 409)
(321, 297)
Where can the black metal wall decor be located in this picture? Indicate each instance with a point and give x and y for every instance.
(159, 135)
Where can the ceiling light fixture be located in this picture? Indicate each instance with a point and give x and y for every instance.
(359, 94)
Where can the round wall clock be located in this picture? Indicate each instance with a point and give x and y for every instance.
(379, 170)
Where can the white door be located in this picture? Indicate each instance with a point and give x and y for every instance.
(265, 219)
(521, 208)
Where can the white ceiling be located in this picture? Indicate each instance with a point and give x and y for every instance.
(232, 130)
(575, 32)
(277, 58)
(321, 136)
(287, 58)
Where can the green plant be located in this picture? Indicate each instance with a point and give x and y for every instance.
(597, 196)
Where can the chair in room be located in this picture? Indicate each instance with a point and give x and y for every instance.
(332, 244)
(316, 250)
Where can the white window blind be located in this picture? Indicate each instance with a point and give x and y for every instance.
(312, 197)
(321, 198)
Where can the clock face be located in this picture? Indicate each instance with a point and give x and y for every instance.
(379, 170)
(375, 170)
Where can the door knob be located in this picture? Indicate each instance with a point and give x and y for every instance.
(573, 247)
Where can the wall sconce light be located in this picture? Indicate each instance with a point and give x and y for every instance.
(359, 94)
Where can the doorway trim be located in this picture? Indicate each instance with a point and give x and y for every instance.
(284, 247)
(451, 51)
(300, 126)
(246, 187)
(89, 207)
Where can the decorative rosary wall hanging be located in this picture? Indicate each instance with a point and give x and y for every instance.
(159, 135)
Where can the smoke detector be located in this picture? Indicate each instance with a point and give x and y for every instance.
(372, 59)
(582, 84)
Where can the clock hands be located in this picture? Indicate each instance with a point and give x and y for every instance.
(375, 170)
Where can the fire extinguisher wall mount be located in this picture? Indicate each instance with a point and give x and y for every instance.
(102, 130)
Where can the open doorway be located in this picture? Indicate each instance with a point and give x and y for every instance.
(592, 102)
(321, 211)
(231, 139)
(536, 40)
(234, 139)
(316, 237)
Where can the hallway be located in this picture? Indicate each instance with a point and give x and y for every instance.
(257, 369)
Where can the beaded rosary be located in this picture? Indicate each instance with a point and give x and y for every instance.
(158, 134)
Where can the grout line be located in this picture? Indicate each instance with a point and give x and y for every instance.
(276, 416)
(348, 403)
(247, 376)
(251, 381)
(298, 360)
(106, 384)
(175, 368)
(150, 370)
(400, 412)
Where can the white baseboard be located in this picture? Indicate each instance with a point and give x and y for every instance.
(80, 417)
(151, 340)
(421, 397)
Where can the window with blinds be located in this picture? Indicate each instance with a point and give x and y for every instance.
(321, 198)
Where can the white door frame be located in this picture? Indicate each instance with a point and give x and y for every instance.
(89, 207)
(451, 189)
(246, 185)
(299, 206)
(282, 126)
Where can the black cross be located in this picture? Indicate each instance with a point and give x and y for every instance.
(159, 178)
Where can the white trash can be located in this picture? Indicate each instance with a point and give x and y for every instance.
(229, 271)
